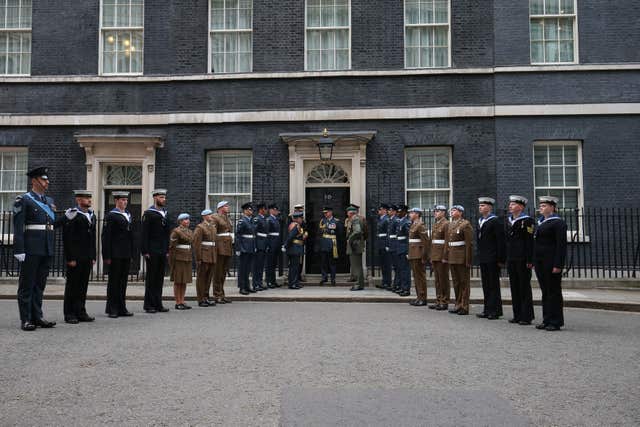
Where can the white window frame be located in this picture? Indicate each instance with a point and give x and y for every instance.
(16, 150)
(116, 29)
(306, 31)
(208, 171)
(22, 30)
(407, 151)
(574, 15)
(209, 44)
(404, 35)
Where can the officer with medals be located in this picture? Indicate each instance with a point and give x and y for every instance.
(156, 229)
(355, 246)
(117, 251)
(260, 225)
(392, 243)
(34, 220)
(224, 250)
(79, 238)
(245, 248)
(550, 252)
(439, 235)
(382, 239)
(491, 257)
(328, 235)
(418, 256)
(519, 253)
(458, 254)
(273, 246)
(294, 248)
(204, 247)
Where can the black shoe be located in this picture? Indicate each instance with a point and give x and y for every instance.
(454, 310)
(433, 306)
(211, 302)
(514, 321)
(163, 310)
(419, 303)
(204, 304)
(322, 282)
(220, 301)
(524, 323)
(28, 326)
(552, 328)
(72, 320)
(482, 315)
(442, 307)
(270, 285)
(462, 312)
(493, 317)
(150, 311)
(86, 318)
(187, 307)
(179, 307)
(126, 314)
(380, 286)
(113, 316)
(243, 292)
(252, 291)
(225, 300)
(294, 287)
(357, 288)
(541, 326)
(404, 293)
(44, 323)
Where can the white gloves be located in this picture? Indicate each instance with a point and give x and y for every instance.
(20, 257)
(386, 249)
(237, 253)
(284, 249)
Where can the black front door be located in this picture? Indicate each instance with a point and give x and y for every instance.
(316, 200)
(135, 208)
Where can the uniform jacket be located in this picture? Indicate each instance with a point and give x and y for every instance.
(117, 235)
(205, 232)
(261, 229)
(180, 236)
(156, 228)
(79, 236)
(273, 233)
(382, 233)
(294, 244)
(328, 227)
(402, 229)
(26, 211)
(355, 236)
(551, 241)
(419, 241)
(459, 231)
(519, 238)
(392, 238)
(490, 240)
(245, 236)
(439, 235)
(224, 244)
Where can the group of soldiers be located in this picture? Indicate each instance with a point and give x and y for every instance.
(519, 243)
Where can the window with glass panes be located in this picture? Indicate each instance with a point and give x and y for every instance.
(558, 172)
(229, 177)
(328, 35)
(553, 31)
(426, 26)
(231, 36)
(122, 36)
(15, 37)
(13, 177)
(428, 177)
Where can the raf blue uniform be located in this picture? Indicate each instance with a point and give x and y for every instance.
(34, 221)
(246, 247)
(273, 248)
(261, 231)
(294, 247)
(392, 244)
(328, 248)
(402, 251)
(382, 242)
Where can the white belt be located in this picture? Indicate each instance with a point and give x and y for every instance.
(393, 236)
(38, 227)
(208, 243)
(274, 234)
(437, 242)
(456, 243)
(183, 246)
(261, 234)
(382, 235)
(223, 234)
(415, 240)
(402, 237)
(247, 236)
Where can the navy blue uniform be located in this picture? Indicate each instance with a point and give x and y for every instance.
(79, 237)
(519, 253)
(382, 242)
(261, 229)
(403, 269)
(328, 234)
(156, 229)
(294, 247)
(117, 246)
(34, 221)
(246, 245)
(550, 251)
(392, 244)
(273, 249)
(490, 243)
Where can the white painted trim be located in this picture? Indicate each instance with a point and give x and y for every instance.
(567, 109)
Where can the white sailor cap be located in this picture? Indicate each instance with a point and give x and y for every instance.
(486, 200)
(82, 193)
(552, 200)
(221, 204)
(458, 208)
(183, 216)
(298, 206)
(518, 199)
(159, 192)
(120, 194)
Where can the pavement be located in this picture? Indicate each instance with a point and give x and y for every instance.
(318, 364)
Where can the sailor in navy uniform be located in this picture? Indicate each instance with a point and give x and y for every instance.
(490, 240)
(382, 242)
(79, 237)
(34, 220)
(294, 248)
(328, 234)
(260, 224)
(117, 251)
(245, 248)
(402, 251)
(519, 250)
(156, 229)
(550, 252)
(273, 246)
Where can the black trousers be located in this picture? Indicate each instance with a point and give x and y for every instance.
(75, 289)
(33, 279)
(550, 285)
(490, 273)
(271, 262)
(117, 286)
(386, 266)
(521, 297)
(258, 268)
(295, 266)
(244, 269)
(156, 265)
(327, 266)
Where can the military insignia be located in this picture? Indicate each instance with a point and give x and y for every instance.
(71, 213)
(17, 206)
(530, 229)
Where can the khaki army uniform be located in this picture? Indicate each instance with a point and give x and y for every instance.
(205, 251)
(180, 256)
(355, 248)
(419, 245)
(458, 253)
(224, 252)
(439, 234)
